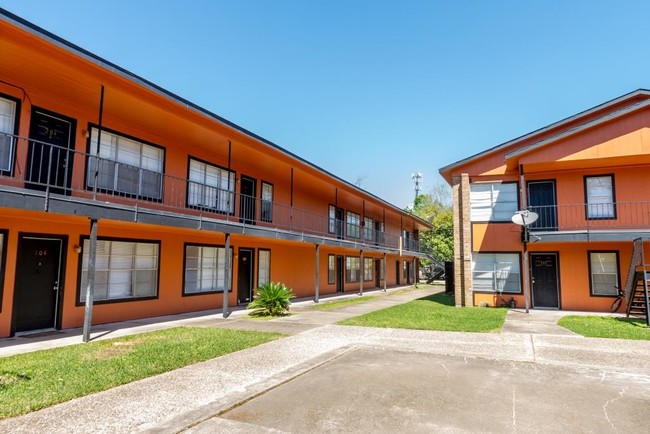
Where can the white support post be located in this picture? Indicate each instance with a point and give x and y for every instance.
(90, 289)
(227, 277)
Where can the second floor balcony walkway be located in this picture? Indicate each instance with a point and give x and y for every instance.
(41, 176)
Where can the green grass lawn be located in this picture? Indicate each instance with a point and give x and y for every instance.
(606, 327)
(345, 302)
(420, 286)
(434, 312)
(32, 381)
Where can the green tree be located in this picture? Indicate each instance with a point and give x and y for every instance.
(435, 207)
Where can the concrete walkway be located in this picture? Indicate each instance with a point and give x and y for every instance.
(195, 397)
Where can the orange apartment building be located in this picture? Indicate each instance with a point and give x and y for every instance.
(588, 179)
(185, 203)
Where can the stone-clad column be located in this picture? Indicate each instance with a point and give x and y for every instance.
(462, 241)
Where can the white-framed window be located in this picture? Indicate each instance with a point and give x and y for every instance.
(352, 224)
(496, 272)
(368, 228)
(125, 166)
(368, 264)
(352, 268)
(2, 257)
(331, 228)
(205, 269)
(263, 267)
(7, 129)
(123, 270)
(493, 202)
(211, 187)
(600, 197)
(603, 270)
(331, 269)
(267, 202)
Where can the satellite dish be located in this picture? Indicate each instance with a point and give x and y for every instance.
(524, 218)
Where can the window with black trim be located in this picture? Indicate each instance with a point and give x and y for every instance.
(267, 202)
(352, 224)
(368, 264)
(211, 187)
(125, 166)
(205, 269)
(123, 270)
(331, 268)
(352, 271)
(3, 237)
(603, 273)
(496, 272)
(368, 228)
(599, 192)
(263, 267)
(493, 201)
(8, 114)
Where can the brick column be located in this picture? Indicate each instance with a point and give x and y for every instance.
(462, 241)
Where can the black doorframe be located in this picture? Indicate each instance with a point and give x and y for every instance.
(397, 273)
(247, 199)
(543, 300)
(60, 277)
(340, 274)
(50, 165)
(544, 203)
(378, 272)
(338, 217)
(245, 274)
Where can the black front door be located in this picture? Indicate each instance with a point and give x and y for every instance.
(541, 199)
(397, 272)
(38, 283)
(340, 274)
(378, 263)
(245, 276)
(50, 156)
(247, 201)
(544, 280)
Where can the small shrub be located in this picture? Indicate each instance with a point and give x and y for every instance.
(271, 299)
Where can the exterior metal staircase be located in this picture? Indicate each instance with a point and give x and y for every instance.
(638, 281)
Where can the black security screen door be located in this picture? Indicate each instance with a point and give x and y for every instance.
(37, 284)
(544, 280)
(541, 199)
(245, 276)
(50, 156)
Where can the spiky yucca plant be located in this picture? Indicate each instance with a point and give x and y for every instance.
(271, 299)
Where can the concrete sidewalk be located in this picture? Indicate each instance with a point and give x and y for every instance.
(196, 396)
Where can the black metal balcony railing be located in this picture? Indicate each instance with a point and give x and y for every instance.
(53, 169)
(592, 217)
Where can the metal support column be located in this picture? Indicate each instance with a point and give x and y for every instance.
(415, 273)
(383, 266)
(361, 272)
(523, 199)
(317, 283)
(90, 289)
(227, 277)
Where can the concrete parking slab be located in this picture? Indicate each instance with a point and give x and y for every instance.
(372, 390)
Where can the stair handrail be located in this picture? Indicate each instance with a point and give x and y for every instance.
(631, 274)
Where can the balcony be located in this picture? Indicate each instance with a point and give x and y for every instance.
(617, 221)
(36, 175)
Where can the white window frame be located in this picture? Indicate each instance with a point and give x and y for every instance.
(266, 213)
(368, 229)
(352, 224)
(352, 272)
(205, 269)
(368, 269)
(121, 268)
(8, 113)
(117, 155)
(496, 272)
(603, 263)
(210, 187)
(493, 201)
(600, 198)
(331, 269)
(263, 266)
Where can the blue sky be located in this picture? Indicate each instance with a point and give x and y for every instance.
(371, 90)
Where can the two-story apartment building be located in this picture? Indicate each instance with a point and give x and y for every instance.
(587, 177)
(182, 203)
